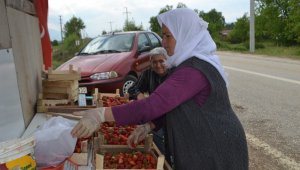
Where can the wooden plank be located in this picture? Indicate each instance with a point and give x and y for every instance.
(65, 115)
(70, 95)
(22, 5)
(4, 30)
(117, 94)
(100, 141)
(68, 110)
(71, 83)
(56, 77)
(71, 74)
(56, 96)
(27, 52)
(42, 102)
(67, 90)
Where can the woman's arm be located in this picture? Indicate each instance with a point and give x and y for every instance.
(177, 89)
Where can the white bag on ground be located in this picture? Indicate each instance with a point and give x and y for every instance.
(54, 142)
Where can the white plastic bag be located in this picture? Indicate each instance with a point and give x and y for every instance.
(54, 142)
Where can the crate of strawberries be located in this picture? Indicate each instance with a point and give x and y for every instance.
(108, 101)
(125, 158)
(110, 135)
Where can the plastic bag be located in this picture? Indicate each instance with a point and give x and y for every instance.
(54, 142)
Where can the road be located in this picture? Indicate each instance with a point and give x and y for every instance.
(265, 93)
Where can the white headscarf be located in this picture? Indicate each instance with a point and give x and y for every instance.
(192, 38)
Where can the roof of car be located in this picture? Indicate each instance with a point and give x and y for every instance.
(128, 32)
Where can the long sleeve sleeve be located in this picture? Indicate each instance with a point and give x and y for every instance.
(172, 92)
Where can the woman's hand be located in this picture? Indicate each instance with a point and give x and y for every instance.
(89, 123)
(138, 134)
(140, 96)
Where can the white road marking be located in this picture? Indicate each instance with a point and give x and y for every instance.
(263, 75)
(274, 153)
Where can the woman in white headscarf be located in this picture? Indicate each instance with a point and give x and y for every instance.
(202, 131)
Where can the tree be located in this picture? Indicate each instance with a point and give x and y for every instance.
(154, 25)
(216, 21)
(240, 32)
(70, 45)
(181, 5)
(74, 26)
(278, 20)
(130, 26)
(104, 32)
(54, 43)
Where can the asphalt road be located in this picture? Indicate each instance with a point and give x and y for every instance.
(265, 93)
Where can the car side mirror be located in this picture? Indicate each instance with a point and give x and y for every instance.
(144, 49)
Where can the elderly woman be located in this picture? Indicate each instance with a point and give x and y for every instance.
(148, 81)
(202, 130)
(151, 78)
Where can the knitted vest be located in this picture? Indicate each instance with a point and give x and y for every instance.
(210, 136)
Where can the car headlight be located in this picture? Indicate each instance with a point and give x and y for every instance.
(104, 75)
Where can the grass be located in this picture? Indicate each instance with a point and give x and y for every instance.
(59, 57)
(264, 48)
(279, 51)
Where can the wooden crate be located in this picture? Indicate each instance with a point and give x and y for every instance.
(82, 157)
(71, 95)
(99, 156)
(117, 94)
(55, 75)
(62, 83)
(99, 143)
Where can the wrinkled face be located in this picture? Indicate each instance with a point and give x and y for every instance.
(157, 64)
(168, 41)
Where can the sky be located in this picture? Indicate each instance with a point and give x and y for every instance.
(99, 15)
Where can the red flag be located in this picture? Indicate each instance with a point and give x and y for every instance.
(41, 8)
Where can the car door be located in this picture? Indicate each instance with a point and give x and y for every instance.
(146, 39)
(144, 46)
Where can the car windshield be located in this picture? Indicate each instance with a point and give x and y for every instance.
(109, 44)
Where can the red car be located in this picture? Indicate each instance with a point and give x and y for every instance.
(114, 61)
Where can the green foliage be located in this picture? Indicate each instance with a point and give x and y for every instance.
(181, 5)
(279, 21)
(74, 26)
(65, 51)
(54, 43)
(257, 45)
(216, 21)
(70, 45)
(240, 32)
(229, 26)
(154, 25)
(130, 26)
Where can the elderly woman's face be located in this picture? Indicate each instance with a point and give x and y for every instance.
(168, 41)
(157, 64)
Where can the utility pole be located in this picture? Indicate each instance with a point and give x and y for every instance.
(252, 27)
(61, 30)
(127, 12)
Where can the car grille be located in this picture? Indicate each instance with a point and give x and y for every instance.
(85, 80)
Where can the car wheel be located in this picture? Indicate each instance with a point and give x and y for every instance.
(129, 81)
